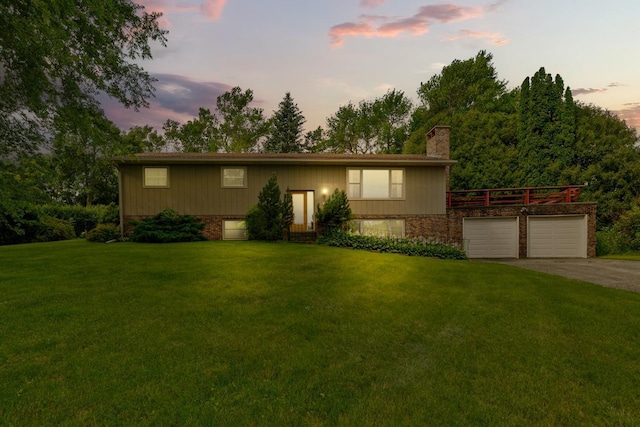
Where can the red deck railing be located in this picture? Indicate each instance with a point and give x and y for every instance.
(513, 196)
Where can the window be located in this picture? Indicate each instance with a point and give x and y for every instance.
(235, 229)
(234, 177)
(156, 177)
(379, 227)
(375, 183)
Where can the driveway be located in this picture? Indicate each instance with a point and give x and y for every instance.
(606, 272)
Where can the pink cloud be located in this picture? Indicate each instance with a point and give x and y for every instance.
(448, 12)
(212, 9)
(371, 3)
(586, 91)
(631, 114)
(415, 25)
(496, 39)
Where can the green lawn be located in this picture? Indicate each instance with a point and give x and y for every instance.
(243, 333)
(630, 256)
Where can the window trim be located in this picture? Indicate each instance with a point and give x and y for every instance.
(390, 181)
(243, 168)
(144, 177)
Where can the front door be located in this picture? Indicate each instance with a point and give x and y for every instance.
(302, 211)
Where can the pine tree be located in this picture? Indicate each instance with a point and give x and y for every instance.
(264, 221)
(288, 215)
(286, 132)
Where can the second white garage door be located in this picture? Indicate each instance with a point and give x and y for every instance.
(557, 237)
(491, 237)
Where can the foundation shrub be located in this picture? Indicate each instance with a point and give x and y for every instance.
(335, 214)
(404, 246)
(166, 227)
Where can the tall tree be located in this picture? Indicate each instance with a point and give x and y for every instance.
(343, 130)
(391, 114)
(286, 128)
(377, 126)
(546, 129)
(314, 141)
(56, 53)
(462, 85)
(194, 136)
(239, 127)
(140, 139)
(81, 156)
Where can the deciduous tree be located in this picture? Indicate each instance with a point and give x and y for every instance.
(56, 53)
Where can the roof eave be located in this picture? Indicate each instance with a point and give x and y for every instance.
(355, 161)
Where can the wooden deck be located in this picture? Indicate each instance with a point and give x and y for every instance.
(513, 196)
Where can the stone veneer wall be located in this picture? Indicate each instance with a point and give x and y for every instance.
(455, 216)
(447, 228)
(431, 227)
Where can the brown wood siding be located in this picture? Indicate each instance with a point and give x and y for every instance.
(196, 190)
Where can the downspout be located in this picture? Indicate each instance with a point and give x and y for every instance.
(120, 206)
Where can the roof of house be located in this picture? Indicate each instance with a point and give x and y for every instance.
(286, 159)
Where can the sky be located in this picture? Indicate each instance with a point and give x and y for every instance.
(328, 53)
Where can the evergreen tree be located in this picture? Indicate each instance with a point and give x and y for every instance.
(286, 129)
(546, 129)
(288, 214)
(264, 221)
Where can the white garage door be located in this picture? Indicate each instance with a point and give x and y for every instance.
(557, 237)
(491, 237)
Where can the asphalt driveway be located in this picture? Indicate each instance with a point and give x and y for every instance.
(606, 272)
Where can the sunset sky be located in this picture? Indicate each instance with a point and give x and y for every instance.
(329, 52)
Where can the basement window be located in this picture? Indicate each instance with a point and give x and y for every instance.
(234, 229)
(378, 227)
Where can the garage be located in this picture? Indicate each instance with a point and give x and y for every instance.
(491, 237)
(557, 236)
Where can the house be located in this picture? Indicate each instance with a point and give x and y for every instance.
(390, 194)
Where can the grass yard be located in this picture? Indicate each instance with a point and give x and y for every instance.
(244, 333)
(629, 256)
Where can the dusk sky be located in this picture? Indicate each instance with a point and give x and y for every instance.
(329, 52)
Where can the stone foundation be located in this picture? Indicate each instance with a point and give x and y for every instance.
(212, 224)
(445, 228)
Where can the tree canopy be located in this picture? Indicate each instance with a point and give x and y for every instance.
(56, 53)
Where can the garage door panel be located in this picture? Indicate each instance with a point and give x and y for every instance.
(491, 237)
(557, 237)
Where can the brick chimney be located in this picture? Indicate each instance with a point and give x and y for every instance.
(438, 142)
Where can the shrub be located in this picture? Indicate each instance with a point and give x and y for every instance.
(84, 218)
(52, 229)
(104, 233)
(168, 226)
(628, 230)
(335, 213)
(608, 241)
(270, 217)
(256, 224)
(405, 246)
